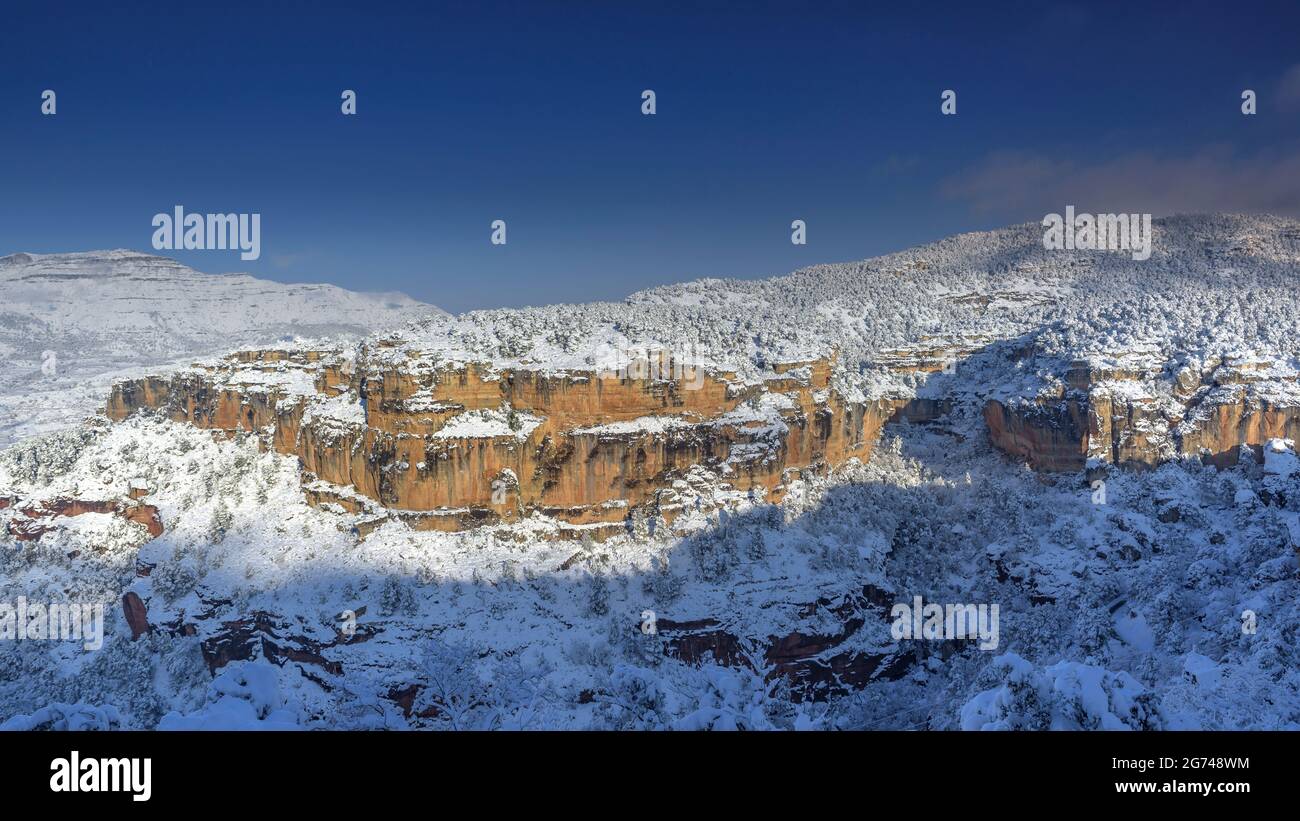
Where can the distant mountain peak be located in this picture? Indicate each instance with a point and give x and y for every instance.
(73, 318)
(107, 263)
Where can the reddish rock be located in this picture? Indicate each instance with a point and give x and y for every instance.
(265, 634)
(136, 614)
(807, 661)
(1116, 415)
(568, 465)
(37, 515)
(404, 697)
(1050, 436)
(146, 515)
(697, 641)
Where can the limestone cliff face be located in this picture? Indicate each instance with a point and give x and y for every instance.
(454, 445)
(1050, 436)
(449, 446)
(1136, 416)
(1240, 418)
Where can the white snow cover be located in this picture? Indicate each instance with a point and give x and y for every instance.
(1113, 614)
(72, 324)
(1280, 458)
(524, 626)
(1065, 696)
(488, 422)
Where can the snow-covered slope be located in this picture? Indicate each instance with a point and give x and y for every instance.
(70, 323)
(1214, 284)
(1161, 598)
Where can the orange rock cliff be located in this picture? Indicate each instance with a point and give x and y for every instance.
(1140, 414)
(444, 445)
(451, 445)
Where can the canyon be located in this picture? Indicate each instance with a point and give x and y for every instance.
(502, 496)
(498, 417)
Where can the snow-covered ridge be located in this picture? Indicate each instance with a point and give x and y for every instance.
(1213, 284)
(1119, 610)
(71, 323)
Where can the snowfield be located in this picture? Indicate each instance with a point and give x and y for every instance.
(72, 324)
(1169, 601)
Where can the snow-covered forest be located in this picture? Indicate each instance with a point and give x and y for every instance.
(1121, 606)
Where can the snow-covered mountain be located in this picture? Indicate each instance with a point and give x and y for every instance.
(1213, 282)
(955, 422)
(71, 323)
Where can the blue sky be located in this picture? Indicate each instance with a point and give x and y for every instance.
(530, 112)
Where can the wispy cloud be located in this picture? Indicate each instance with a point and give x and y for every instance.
(290, 260)
(1288, 89)
(1023, 184)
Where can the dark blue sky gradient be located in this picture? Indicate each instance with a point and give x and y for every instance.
(530, 112)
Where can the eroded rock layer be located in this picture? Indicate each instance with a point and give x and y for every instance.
(452, 445)
(1136, 414)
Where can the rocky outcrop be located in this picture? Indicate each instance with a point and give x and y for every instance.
(34, 520)
(446, 445)
(1141, 413)
(454, 445)
(260, 634)
(814, 665)
(1239, 416)
(1050, 436)
(258, 637)
(137, 616)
